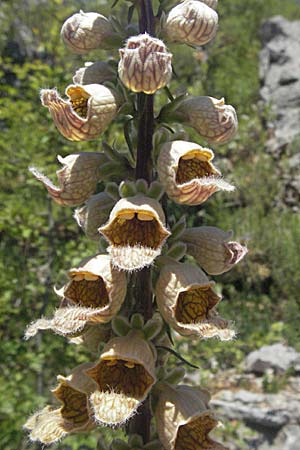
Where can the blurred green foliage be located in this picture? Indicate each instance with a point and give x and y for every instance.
(40, 241)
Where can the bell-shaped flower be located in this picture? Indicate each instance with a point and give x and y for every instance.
(94, 214)
(136, 232)
(145, 65)
(94, 73)
(77, 179)
(83, 32)
(124, 375)
(187, 301)
(50, 425)
(187, 174)
(184, 420)
(210, 117)
(191, 22)
(87, 112)
(213, 248)
(95, 294)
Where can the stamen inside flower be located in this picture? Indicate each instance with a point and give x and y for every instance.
(194, 165)
(87, 290)
(121, 376)
(79, 100)
(194, 435)
(194, 305)
(131, 228)
(74, 409)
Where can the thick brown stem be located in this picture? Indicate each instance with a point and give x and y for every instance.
(141, 422)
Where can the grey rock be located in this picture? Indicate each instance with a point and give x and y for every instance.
(280, 79)
(287, 439)
(268, 411)
(277, 357)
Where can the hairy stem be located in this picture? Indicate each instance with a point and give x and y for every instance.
(141, 423)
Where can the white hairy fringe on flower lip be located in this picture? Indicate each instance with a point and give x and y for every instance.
(124, 375)
(213, 249)
(77, 179)
(94, 73)
(145, 65)
(50, 425)
(97, 292)
(210, 117)
(92, 336)
(186, 300)
(83, 32)
(191, 22)
(94, 214)
(87, 112)
(184, 420)
(136, 232)
(187, 174)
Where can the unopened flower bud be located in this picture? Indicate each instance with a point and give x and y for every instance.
(136, 232)
(184, 420)
(213, 249)
(95, 293)
(124, 375)
(77, 179)
(92, 336)
(48, 425)
(191, 22)
(210, 117)
(94, 214)
(187, 174)
(187, 301)
(87, 112)
(94, 73)
(84, 32)
(145, 65)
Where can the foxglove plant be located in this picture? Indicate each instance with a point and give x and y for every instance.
(147, 279)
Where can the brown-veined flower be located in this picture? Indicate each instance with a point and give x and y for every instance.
(94, 294)
(136, 232)
(83, 32)
(145, 65)
(77, 179)
(87, 112)
(50, 425)
(184, 420)
(187, 174)
(191, 22)
(124, 375)
(187, 301)
(210, 117)
(213, 248)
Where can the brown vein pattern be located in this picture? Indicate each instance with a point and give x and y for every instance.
(88, 293)
(193, 306)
